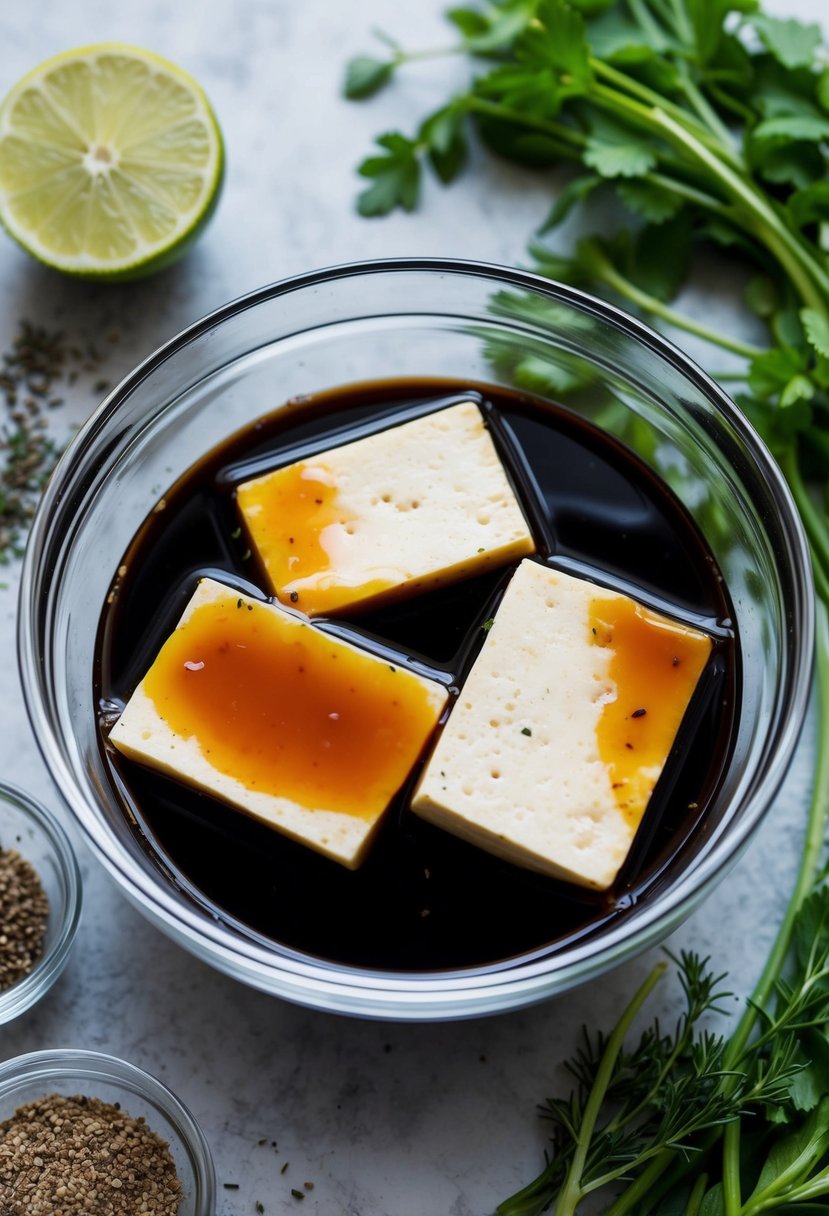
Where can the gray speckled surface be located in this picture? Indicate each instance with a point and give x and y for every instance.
(385, 1120)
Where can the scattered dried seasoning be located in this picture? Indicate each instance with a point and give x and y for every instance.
(24, 914)
(74, 1155)
(31, 372)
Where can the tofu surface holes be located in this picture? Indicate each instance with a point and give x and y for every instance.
(401, 511)
(563, 727)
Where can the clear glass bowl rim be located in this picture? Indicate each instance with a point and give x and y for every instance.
(432, 996)
(28, 991)
(59, 1064)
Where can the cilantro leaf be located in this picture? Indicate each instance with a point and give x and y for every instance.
(707, 18)
(788, 127)
(795, 1154)
(822, 90)
(653, 202)
(799, 388)
(496, 28)
(792, 43)
(469, 21)
(816, 327)
(444, 136)
(531, 149)
(809, 205)
(662, 256)
(771, 372)
(627, 156)
(556, 39)
(794, 164)
(365, 76)
(396, 176)
(761, 296)
(713, 1203)
(576, 191)
(616, 38)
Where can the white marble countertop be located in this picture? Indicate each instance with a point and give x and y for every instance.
(385, 1120)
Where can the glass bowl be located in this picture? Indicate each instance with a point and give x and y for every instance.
(34, 832)
(92, 1074)
(415, 318)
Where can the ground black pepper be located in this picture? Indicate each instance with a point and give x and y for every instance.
(24, 915)
(31, 373)
(78, 1155)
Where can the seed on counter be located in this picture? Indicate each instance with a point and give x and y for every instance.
(24, 916)
(72, 1155)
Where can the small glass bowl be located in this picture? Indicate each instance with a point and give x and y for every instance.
(27, 826)
(95, 1075)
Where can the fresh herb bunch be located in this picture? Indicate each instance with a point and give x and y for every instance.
(707, 120)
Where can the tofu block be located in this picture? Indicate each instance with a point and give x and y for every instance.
(255, 705)
(562, 727)
(407, 509)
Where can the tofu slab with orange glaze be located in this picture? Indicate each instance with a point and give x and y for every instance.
(563, 727)
(404, 510)
(260, 708)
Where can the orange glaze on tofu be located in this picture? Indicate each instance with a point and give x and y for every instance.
(289, 711)
(297, 521)
(655, 667)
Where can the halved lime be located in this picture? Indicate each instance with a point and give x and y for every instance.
(111, 162)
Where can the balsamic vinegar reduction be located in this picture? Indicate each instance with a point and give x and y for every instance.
(422, 900)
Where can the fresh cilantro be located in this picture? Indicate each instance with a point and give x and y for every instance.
(708, 121)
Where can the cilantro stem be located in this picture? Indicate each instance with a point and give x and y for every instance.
(632, 107)
(649, 24)
(809, 859)
(732, 1195)
(571, 1192)
(690, 193)
(813, 521)
(604, 270)
(708, 115)
(807, 275)
(682, 25)
(696, 1196)
(639, 1189)
(809, 278)
(440, 52)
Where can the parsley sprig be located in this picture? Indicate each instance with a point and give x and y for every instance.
(704, 123)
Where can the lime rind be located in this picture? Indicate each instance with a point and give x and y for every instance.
(111, 162)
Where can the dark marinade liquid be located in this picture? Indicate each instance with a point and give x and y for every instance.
(422, 900)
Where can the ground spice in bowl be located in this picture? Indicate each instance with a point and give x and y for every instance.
(24, 916)
(74, 1155)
